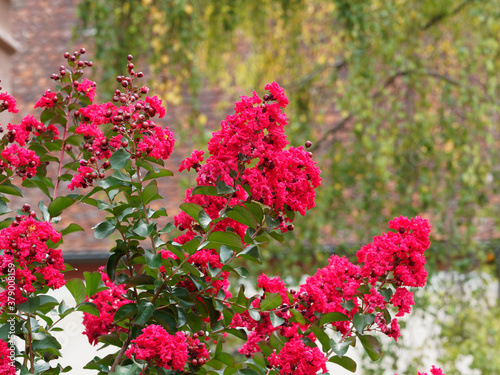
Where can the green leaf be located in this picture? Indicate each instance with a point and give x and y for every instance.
(340, 348)
(92, 281)
(371, 345)
(360, 321)
(58, 205)
(333, 317)
(165, 319)
(8, 188)
(223, 188)
(204, 219)
(30, 305)
(75, 139)
(272, 223)
(276, 321)
(297, 317)
(229, 239)
(225, 358)
(150, 192)
(191, 246)
(168, 228)
(225, 254)
(387, 293)
(145, 311)
(348, 305)
(243, 215)
(251, 253)
(153, 260)
(322, 337)
(141, 279)
(271, 301)
(104, 229)
(161, 173)
(142, 229)
(256, 209)
(191, 209)
(345, 362)
(111, 339)
(132, 369)
(205, 190)
(248, 371)
(119, 159)
(240, 333)
(47, 303)
(49, 342)
(125, 312)
(71, 229)
(3, 207)
(77, 290)
(278, 237)
(89, 308)
(254, 314)
(46, 115)
(35, 182)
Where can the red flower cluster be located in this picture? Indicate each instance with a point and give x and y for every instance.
(87, 87)
(24, 245)
(29, 125)
(132, 130)
(22, 160)
(107, 301)
(7, 103)
(157, 347)
(298, 359)
(341, 283)
(197, 351)
(48, 100)
(434, 371)
(6, 365)
(193, 161)
(249, 150)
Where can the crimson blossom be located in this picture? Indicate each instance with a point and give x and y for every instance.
(298, 359)
(6, 365)
(24, 244)
(7, 103)
(156, 346)
(347, 288)
(249, 151)
(107, 302)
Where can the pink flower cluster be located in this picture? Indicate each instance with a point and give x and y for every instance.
(107, 301)
(298, 359)
(48, 100)
(29, 125)
(157, 347)
(250, 150)
(24, 245)
(87, 87)
(340, 283)
(434, 371)
(7, 103)
(24, 161)
(132, 130)
(6, 365)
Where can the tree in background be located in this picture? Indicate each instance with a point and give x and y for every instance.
(400, 101)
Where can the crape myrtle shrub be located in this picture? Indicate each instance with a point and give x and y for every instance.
(164, 303)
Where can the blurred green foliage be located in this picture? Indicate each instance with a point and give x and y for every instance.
(400, 99)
